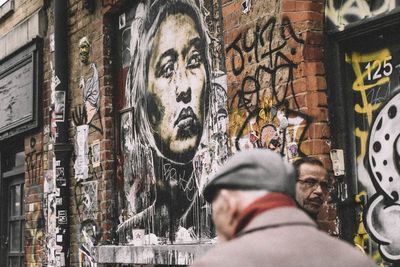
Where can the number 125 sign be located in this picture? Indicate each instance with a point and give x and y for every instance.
(379, 68)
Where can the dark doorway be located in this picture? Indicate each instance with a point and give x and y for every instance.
(12, 208)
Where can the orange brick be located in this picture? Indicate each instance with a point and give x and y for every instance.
(313, 53)
(317, 99)
(288, 6)
(313, 68)
(318, 131)
(319, 114)
(315, 147)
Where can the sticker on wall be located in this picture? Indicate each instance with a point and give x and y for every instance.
(48, 186)
(59, 106)
(60, 177)
(52, 42)
(96, 153)
(81, 152)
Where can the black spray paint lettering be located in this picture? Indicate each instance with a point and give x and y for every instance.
(270, 60)
(277, 61)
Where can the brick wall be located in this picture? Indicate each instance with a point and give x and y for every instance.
(274, 61)
(35, 236)
(97, 29)
(275, 79)
(36, 147)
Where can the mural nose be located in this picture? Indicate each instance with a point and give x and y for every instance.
(183, 90)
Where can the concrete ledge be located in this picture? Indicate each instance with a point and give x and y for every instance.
(23, 33)
(155, 254)
(6, 9)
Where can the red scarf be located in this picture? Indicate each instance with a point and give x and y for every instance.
(260, 205)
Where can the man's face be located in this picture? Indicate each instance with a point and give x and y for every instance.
(311, 187)
(176, 85)
(221, 216)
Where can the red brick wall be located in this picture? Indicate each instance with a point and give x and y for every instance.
(97, 29)
(301, 93)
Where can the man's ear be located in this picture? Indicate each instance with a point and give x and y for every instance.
(231, 206)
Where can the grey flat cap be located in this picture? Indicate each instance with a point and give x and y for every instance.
(253, 169)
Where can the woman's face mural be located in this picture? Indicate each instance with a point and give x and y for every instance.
(170, 132)
(176, 85)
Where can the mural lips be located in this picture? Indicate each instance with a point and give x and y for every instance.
(187, 123)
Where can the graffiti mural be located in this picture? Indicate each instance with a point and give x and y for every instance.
(173, 119)
(260, 115)
(88, 239)
(383, 212)
(87, 161)
(51, 200)
(339, 14)
(85, 113)
(35, 235)
(33, 162)
(374, 81)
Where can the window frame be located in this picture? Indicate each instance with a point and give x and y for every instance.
(6, 9)
(30, 53)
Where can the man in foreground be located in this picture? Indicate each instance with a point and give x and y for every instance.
(312, 185)
(258, 223)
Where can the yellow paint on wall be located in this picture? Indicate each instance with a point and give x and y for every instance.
(376, 59)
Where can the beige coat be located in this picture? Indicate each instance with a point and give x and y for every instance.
(284, 237)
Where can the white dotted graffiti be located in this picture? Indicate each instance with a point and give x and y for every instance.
(342, 13)
(383, 211)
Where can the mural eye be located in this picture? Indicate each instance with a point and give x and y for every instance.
(168, 70)
(195, 60)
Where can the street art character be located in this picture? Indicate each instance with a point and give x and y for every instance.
(169, 88)
(383, 211)
(84, 50)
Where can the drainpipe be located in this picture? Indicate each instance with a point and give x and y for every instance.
(62, 148)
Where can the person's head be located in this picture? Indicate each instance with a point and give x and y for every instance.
(169, 78)
(245, 177)
(84, 49)
(312, 184)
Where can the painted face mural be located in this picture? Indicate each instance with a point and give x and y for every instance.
(176, 84)
(172, 137)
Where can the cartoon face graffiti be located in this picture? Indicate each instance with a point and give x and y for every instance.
(176, 87)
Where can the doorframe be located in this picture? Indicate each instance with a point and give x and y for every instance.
(342, 124)
(16, 172)
(13, 177)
